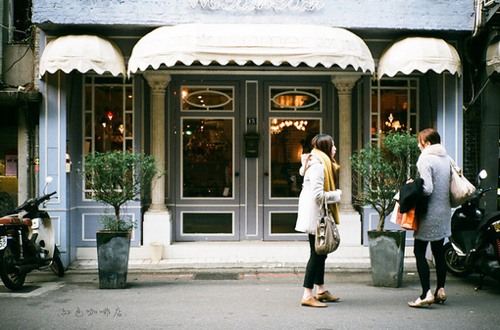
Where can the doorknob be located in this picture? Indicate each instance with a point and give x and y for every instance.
(236, 174)
(266, 173)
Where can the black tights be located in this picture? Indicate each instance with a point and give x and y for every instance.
(419, 249)
(315, 269)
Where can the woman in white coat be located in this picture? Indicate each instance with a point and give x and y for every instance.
(319, 169)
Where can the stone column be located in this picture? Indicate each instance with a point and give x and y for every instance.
(350, 220)
(157, 227)
(344, 85)
(158, 83)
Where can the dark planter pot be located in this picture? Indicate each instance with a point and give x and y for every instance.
(387, 249)
(112, 258)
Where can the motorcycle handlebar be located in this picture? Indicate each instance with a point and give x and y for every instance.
(34, 202)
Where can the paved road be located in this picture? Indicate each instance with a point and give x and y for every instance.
(234, 300)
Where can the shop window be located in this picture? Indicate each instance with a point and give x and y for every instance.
(394, 106)
(8, 159)
(108, 115)
(283, 223)
(207, 98)
(207, 157)
(204, 223)
(299, 99)
(290, 138)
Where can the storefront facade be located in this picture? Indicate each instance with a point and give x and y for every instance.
(227, 102)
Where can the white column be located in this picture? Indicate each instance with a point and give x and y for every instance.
(157, 220)
(350, 220)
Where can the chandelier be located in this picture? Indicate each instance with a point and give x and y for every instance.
(278, 125)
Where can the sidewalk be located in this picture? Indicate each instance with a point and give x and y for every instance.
(188, 265)
(280, 257)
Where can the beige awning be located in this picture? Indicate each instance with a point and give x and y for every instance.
(419, 54)
(250, 43)
(82, 53)
(493, 58)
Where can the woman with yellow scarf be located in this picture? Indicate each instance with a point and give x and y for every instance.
(319, 169)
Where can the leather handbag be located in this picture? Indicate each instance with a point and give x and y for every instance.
(327, 234)
(460, 188)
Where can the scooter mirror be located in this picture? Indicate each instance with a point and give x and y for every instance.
(49, 179)
(483, 174)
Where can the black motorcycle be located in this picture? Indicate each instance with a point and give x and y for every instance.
(474, 245)
(27, 242)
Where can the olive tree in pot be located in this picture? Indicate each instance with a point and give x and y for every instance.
(115, 178)
(382, 170)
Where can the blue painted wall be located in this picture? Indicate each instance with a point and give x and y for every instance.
(453, 15)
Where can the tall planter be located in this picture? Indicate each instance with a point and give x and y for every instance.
(113, 248)
(387, 250)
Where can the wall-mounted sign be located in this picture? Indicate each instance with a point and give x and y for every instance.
(249, 5)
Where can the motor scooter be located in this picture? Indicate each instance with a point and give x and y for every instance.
(27, 242)
(474, 245)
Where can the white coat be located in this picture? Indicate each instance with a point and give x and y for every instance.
(311, 196)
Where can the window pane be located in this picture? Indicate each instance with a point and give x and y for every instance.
(207, 223)
(289, 139)
(295, 99)
(283, 223)
(207, 98)
(393, 110)
(394, 106)
(207, 164)
(108, 116)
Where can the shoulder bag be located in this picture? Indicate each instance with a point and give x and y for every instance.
(460, 188)
(327, 234)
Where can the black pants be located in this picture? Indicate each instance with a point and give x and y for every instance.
(419, 249)
(315, 269)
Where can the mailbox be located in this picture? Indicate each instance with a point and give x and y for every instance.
(251, 145)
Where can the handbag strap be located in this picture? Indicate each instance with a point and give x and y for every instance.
(308, 158)
(325, 206)
(455, 167)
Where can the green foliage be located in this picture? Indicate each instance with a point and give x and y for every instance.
(383, 170)
(116, 177)
(6, 203)
(109, 222)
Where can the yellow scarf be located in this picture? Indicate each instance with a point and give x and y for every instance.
(329, 184)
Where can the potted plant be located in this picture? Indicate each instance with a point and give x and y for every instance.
(115, 178)
(382, 170)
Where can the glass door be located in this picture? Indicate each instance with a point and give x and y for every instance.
(207, 203)
(294, 117)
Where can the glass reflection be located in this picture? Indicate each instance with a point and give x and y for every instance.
(288, 142)
(207, 164)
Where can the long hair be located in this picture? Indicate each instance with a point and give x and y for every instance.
(323, 142)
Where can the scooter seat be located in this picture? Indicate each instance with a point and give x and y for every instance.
(15, 221)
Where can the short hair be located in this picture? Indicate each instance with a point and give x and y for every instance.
(429, 135)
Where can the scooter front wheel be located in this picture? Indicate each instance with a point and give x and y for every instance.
(56, 265)
(12, 278)
(455, 264)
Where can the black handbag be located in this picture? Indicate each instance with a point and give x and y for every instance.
(327, 234)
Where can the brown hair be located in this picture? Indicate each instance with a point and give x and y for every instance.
(429, 135)
(323, 142)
